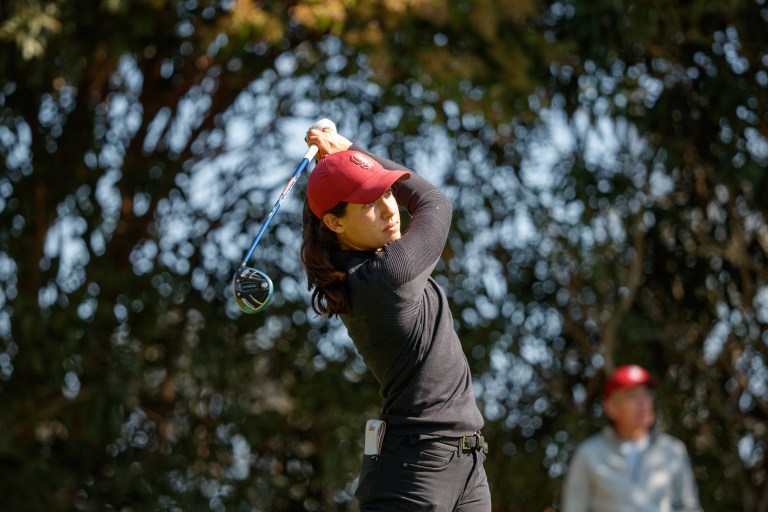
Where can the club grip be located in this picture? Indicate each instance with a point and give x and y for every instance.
(311, 152)
(323, 124)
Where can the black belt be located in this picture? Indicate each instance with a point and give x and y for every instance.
(467, 443)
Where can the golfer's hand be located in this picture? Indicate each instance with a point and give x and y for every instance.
(327, 141)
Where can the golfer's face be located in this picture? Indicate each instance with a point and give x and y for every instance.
(631, 409)
(370, 226)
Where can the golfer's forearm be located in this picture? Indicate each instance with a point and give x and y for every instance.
(415, 193)
(385, 162)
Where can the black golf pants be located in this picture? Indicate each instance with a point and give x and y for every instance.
(423, 475)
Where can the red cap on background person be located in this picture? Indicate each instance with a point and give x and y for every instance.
(628, 376)
(348, 176)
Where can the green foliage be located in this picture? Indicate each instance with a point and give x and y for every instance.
(606, 162)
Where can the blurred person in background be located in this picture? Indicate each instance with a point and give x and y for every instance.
(630, 466)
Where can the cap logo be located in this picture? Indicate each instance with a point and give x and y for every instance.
(635, 373)
(361, 160)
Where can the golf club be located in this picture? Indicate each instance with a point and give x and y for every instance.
(251, 287)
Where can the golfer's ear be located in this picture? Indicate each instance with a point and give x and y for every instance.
(332, 222)
(608, 407)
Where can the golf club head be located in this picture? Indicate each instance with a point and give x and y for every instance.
(252, 289)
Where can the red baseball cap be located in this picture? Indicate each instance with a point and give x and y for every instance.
(626, 377)
(348, 176)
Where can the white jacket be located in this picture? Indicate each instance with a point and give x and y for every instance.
(599, 477)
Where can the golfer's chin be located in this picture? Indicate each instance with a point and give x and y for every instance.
(392, 237)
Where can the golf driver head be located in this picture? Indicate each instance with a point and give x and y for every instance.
(252, 289)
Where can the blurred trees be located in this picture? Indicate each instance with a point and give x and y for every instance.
(607, 166)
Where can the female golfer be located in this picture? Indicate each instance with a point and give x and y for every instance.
(361, 267)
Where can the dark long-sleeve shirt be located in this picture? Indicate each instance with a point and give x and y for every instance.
(402, 326)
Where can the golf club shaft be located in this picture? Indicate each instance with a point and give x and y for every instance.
(310, 154)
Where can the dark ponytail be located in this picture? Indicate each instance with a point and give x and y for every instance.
(327, 284)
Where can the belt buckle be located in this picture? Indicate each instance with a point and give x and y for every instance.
(465, 442)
